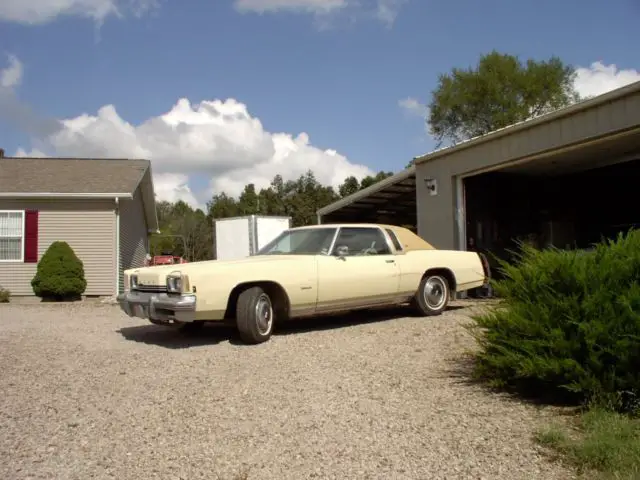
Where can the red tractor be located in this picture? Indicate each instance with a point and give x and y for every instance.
(166, 258)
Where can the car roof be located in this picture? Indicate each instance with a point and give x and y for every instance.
(409, 240)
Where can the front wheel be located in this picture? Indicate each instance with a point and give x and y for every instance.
(432, 296)
(254, 315)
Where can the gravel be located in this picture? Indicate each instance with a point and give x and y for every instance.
(86, 392)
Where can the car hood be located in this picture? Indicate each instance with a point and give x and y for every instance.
(157, 275)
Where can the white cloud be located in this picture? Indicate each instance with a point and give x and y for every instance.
(11, 76)
(412, 106)
(306, 6)
(34, 152)
(217, 141)
(600, 78)
(175, 186)
(385, 11)
(37, 12)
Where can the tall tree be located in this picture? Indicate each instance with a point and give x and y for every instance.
(370, 180)
(222, 206)
(249, 201)
(501, 90)
(350, 186)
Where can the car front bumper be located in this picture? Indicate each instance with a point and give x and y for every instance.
(159, 307)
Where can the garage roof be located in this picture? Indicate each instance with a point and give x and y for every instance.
(573, 109)
(395, 195)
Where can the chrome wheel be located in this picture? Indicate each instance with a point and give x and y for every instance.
(264, 314)
(435, 293)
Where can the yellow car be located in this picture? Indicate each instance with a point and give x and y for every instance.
(305, 271)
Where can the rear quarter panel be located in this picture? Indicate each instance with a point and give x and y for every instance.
(465, 266)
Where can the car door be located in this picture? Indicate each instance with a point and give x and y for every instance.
(360, 270)
(410, 272)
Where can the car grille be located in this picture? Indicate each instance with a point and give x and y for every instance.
(151, 288)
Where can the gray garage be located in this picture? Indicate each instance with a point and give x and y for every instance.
(567, 179)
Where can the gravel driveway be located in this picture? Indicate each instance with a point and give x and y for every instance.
(87, 392)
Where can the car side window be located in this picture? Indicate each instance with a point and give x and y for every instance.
(394, 239)
(354, 241)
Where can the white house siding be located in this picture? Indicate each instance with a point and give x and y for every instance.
(88, 226)
(134, 239)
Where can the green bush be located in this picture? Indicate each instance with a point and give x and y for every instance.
(568, 324)
(5, 295)
(60, 274)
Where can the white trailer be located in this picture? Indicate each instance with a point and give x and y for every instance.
(240, 237)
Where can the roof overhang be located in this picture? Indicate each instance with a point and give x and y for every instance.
(393, 195)
(574, 109)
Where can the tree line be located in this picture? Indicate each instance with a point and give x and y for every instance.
(498, 91)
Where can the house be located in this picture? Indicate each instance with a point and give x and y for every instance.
(103, 208)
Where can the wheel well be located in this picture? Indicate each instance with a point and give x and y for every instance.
(448, 276)
(276, 292)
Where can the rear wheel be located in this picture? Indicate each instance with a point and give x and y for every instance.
(254, 315)
(432, 296)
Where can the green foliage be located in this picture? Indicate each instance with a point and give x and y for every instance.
(5, 295)
(60, 274)
(604, 445)
(499, 91)
(185, 232)
(569, 323)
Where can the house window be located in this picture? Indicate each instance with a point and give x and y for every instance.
(11, 235)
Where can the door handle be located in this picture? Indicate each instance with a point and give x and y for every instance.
(390, 261)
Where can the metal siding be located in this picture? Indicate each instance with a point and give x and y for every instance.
(133, 235)
(436, 214)
(86, 225)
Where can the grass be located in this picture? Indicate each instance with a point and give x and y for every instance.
(602, 445)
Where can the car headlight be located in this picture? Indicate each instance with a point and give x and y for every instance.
(133, 281)
(176, 282)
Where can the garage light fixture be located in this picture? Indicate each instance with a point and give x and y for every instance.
(432, 185)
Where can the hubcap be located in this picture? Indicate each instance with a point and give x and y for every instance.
(264, 314)
(435, 293)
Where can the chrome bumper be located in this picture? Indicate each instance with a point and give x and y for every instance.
(159, 307)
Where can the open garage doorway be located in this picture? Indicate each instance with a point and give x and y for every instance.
(568, 208)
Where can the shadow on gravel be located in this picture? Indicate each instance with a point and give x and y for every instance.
(345, 321)
(169, 337)
(461, 370)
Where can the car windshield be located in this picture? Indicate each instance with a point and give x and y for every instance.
(306, 241)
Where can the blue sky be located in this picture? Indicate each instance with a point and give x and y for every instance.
(338, 77)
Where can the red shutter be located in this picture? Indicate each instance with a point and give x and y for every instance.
(31, 236)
